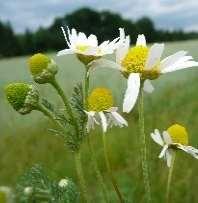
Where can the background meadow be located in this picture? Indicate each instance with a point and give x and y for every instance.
(26, 140)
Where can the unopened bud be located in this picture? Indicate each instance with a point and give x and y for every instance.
(42, 68)
(23, 97)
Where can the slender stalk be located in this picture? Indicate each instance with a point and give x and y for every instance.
(55, 84)
(81, 176)
(86, 89)
(170, 175)
(49, 115)
(97, 171)
(145, 168)
(121, 200)
(92, 152)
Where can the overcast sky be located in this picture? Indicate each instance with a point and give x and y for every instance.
(167, 14)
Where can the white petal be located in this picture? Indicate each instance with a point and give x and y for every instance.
(190, 150)
(141, 41)
(154, 55)
(157, 137)
(180, 66)
(91, 120)
(172, 59)
(93, 40)
(169, 155)
(148, 87)
(68, 43)
(132, 92)
(123, 46)
(73, 37)
(65, 52)
(103, 121)
(167, 138)
(104, 63)
(119, 118)
(162, 153)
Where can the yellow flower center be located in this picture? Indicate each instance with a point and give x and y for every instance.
(100, 99)
(135, 61)
(178, 134)
(82, 47)
(37, 63)
(85, 59)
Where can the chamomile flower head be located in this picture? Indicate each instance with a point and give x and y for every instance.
(86, 48)
(28, 191)
(101, 110)
(100, 99)
(42, 68)
(23, 97)
(174, 138)
(141, 64)
(63, 183)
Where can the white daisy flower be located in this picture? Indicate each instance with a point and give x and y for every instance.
(63, 183)
(174, 138)
(101, 110)
(141, 64)
(86, 48)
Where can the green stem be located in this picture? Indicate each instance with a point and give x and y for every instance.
(49, 115)
(55, 84)
(86, 88)
(110, 170)
(170, 174)
(97, 171)
(92, 152)
(145, 168)
(81, 176)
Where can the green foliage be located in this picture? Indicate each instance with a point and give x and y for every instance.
(36, 186)
(72, 138)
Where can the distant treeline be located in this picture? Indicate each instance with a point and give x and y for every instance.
(104, 24)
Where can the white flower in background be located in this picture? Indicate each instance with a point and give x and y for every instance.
(101, 110)
(141, 64)
(28, 190)
(86, 48)
(63, 183)
(174, 138)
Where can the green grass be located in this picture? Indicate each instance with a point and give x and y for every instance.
(25, 140)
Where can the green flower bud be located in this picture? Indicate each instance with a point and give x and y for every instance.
(23, 97)
(42, 68)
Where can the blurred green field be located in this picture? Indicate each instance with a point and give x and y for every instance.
(25, 140)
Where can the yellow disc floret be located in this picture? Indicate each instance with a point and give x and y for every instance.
(37, 63)
(135, 60)
(178, 134)
(100, 99)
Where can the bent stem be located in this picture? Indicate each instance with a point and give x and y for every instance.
(81, 176)
(97, 171)
(110, 170)
(170, 175)
(145, 168)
